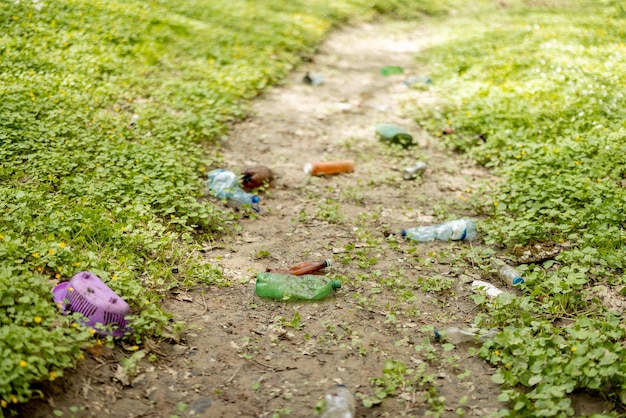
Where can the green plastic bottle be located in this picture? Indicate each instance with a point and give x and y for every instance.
(306, 287)
(394, 134)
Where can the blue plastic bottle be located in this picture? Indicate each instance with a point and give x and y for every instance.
(225, 184)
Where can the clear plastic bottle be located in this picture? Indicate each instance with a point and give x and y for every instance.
(488, 288)
(506, 273)
(225, 184)
(453, 230)
(339, 403)
(303, 268)
(456, 335)
(306, 287)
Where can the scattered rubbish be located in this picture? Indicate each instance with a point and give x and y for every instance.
(85, 293)
(339, 403)
(411, 173)
(488, 288)
(255, 177)
(306, 287)
(448, 131)
(391, 70)
(453, 230)
(134, 120)
(506, 273)
(456, 335)
(329, 167)
(303, 268)
(412, 81)
(313, 79)
(225, 184)
(394, 134)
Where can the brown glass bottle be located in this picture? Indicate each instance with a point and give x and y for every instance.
(303, 268)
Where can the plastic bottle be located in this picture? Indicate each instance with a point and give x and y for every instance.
(453, 230)
(411, 81)
(225, 184)
(339, 403)
(313, 79)
(456, 335)
(506, 273)
(306, 287)
(411, 173)
(394, 134)
(303, 268)
(388, 70)
(488, 288)
(329, 167)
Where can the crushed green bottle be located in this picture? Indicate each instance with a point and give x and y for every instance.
(394, 134)
(288, 286)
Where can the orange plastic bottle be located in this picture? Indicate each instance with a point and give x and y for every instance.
(303, 268)
(329, 167)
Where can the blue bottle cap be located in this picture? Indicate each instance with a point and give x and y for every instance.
(517, 280)
(403, 232)
(255, 203)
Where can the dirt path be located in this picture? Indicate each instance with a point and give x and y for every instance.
(249, 357)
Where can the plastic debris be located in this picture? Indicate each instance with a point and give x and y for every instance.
(305, 287)
(329, 167)
(388, 70)
(394, 134)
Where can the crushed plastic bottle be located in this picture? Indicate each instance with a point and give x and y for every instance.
(313, 79)
(488, 288)
(411, 81)
(456, 335)
(394, 134)
(411, 173)
(303, 268)
(305, 287)
(506, 273)
(329, 167)
(339, 403)
(225, 184)
(453, 230)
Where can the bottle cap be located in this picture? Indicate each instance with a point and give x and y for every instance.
(328, 262)
(403, 232)
(336, 284)
(255, 203)
(308, 168)
(437, 335)
(517, 280)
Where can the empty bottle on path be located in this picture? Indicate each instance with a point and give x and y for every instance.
(456, 335)
(411, 173)
(507, 273)
(225, 184)
(339, 403)
(453, 230)
(488, 288)
(394, 134)
(305, 287)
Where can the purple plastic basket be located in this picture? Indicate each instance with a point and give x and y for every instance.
(87, 294)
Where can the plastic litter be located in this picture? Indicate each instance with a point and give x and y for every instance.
(305, 287)
(313, 79)
(303, 268)
(388, 70)
(255, 177)
(456, 335)
(225, 184)
(85, 293)
(412, 81)
(394, 134)
(329, 167)
(488, 288)
(411, 173)
(507, 273)
(339, 403)
(453, 230)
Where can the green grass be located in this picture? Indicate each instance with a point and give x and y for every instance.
(544, 88)
(108, 115)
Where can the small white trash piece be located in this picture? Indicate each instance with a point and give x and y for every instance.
(490, 289)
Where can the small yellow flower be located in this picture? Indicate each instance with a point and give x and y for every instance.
(1, 236)
(573, 349)
(62, 245)
(70, 289)
(114, 277)
(497, 353)
(135, 348)
(58, 276)
(37, 319)
(53, 375)
(74, 325)
(92, 331)
(147, 302)
(35, 255)
(13, 398)
(99, 341)
(3, 403)
(23, 363)
(81, 356)
(40, 269)
(508, 366)
(50, 251)
(76, 264)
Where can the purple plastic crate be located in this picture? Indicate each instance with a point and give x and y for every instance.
(87, 294)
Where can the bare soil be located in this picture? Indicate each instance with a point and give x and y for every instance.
(243, 356)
